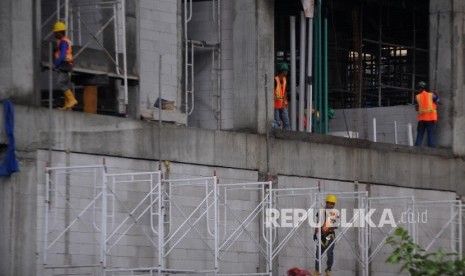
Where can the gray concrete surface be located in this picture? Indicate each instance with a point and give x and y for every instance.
(253, 56)
(361, 122)
(159, 27)
(336, 161)
(18, 195)
(297, 154)
(446, 70)
(17, 50)
(299, 160)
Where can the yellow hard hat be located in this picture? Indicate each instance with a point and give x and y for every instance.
(331, 199)
(59, 26)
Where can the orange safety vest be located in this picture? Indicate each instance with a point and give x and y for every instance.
(426, 107)
(69, 53)
(327, 228)
(280, 100)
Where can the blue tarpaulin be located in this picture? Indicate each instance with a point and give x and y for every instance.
(9, 164)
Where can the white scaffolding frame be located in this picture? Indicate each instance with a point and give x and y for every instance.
(162, 217)
(265, 248)
(306, 193)
(361, 201)
(57, 200)
(453, 224)
(71, 13)
(373, 247)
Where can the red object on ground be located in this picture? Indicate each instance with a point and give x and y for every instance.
(295, 271)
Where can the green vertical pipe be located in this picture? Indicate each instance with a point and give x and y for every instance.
(315, 74)
(320, 77)
(325, 82)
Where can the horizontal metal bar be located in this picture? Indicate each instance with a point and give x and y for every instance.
(72, 167)
(132, 174)
(188, 179)
(244, 184)
(70, 266)
(394, 45)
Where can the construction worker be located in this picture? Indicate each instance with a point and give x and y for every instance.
(280, 97)
(426, 105)
(295, 271)
(327, 236)
(63, 64)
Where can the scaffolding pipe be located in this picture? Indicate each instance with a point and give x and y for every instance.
(325, 77)
(309, 74)
(219, 71)
(414, 58)
(67, 13)
(320, 69)
(293, 75)
(374, 129)
(71, 24)
(115, 34)
(315, 75)
(50, 100)
(395, 132)
(380, 52)
(188, 18)
(79, 26)
(125, 71)
(58, 10)
(410, 134)
(302, 71)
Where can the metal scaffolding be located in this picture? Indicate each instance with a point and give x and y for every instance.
(87, 35)
(100, 223)
(190, 47)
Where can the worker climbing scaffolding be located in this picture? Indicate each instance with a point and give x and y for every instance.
(63, 64)
(327, 236)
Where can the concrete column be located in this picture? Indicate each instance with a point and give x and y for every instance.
(17, 50)
(458, 75)
(253, 39)
(447, 70)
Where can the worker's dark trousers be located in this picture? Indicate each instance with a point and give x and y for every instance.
(427, 126)
(329, 255)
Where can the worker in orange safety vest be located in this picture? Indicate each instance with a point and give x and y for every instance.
(280, 97)
(426, 105)
(63, 64)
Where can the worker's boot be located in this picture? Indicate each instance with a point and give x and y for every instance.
(316, 273)
(70, 101)
(327, 272)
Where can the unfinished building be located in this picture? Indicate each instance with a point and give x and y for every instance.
(168, 164)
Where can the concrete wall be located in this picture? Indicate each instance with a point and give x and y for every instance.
(361, 121)
(79, 247)
(17, 50)
(212, 104)
(298, 160)
(297, 154)
(447, 70)
(246, 56)
(204, 27)
(18, 194)
(159, 28)
(253, 59)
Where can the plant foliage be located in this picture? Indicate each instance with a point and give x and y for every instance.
(418, 262)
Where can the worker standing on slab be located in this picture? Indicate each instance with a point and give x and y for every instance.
(63, 64)
(426, 104)
(327, 235)
(280, 97)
